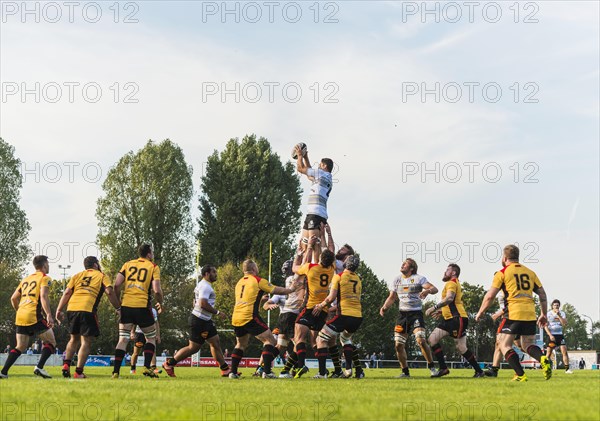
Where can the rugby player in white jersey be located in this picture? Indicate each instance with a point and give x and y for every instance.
(322, 183)
(557, 321)
(410, 288)
(202, 328)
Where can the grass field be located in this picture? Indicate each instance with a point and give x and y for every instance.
(200, 394)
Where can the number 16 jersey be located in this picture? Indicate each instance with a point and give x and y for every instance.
(518, 284)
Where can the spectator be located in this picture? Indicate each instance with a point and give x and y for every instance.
(99, 351)
(29, 351)
(373, 360)
(7, 349)
(164, 353)
(36, 347)
(581, 364)
(226, 353)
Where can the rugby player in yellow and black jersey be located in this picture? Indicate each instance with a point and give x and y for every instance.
(139, 278)
(518, 283)
(454, 322)
(28, 300)
(318, 279)
(246, 320)
(81, 297)
(346, 288)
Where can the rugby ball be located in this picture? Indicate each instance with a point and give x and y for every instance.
(302, 148)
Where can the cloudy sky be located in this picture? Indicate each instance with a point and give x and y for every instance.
(455, 130)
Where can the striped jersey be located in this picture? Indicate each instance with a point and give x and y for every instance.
(319, 191)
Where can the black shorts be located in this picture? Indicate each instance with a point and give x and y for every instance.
(456, 326)
(287, 324)
(140, 339)
(408, 321)
(348, 323)
(83, 323)
(40, 327)
(559, 340)
(141, 316)
(313, 222)
(201, 330)
(518, 327)
(306, 318)
(254, 327)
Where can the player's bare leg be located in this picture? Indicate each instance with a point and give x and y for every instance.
(149, 349)
(269, 352)
(15, 353)
(400, 342)
(421, 339)
(217, 354)
(565, 355)
(72, 346)
(238, 354)
(461, 346)
(300, 349)
(496, 360)
(82, 356)
(180, 355)
(120, 349)
(434, 341)
(48, 348)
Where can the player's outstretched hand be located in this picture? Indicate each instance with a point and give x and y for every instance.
(50, 321)
(542, 321)
(223, 315)
(478, 317)
(59, 316)
(429, 311)
(381, 311)
(159, 308)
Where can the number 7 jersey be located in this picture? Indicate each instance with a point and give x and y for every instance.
(139, 274)
(518, 283)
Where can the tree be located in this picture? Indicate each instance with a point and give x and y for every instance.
(376, 333)
(147, 198)
(249, 198)
(14, 226)
(576, 333)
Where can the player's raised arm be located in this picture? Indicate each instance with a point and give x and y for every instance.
(428, 289)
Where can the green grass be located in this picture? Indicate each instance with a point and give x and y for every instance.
(200, 394)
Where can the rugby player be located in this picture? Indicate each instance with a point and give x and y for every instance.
(318, 279)
(346, 288)
(557, 320)
(247, 322)
(409, 288)
(28, 300)
(137, 277)
(454, 323)
(202, 328)
(81, 298)
(322, 184)
(518, 284)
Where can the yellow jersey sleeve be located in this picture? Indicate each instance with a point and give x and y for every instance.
(156, 274)
(451, 286)
(498, 279)
(335, 284)
(304, 269)
(106, 281)
(264, 285)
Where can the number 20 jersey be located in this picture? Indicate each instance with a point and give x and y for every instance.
(518, 284)
(139, 274)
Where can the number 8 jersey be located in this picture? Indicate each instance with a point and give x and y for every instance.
(139, 274)
(318, 279)
(518, 284)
